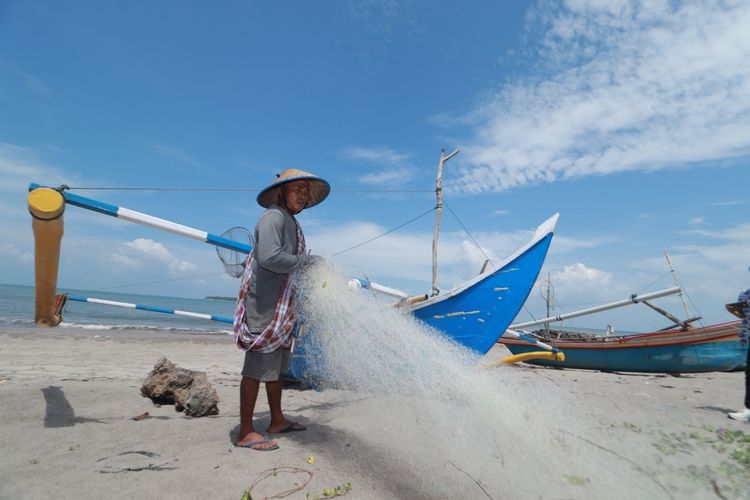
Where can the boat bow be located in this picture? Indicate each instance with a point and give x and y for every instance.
(476, 313)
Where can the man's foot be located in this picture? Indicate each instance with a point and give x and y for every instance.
(285, 427)
(257, 442)
(742, 415)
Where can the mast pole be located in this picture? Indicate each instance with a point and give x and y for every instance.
(677, 283)
(439, 207)
(548, 300)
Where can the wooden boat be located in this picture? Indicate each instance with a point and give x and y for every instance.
(705, 349)
(473, 314)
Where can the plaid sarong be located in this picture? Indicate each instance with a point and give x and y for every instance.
(278, 333)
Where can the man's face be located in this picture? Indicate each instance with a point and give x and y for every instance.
(296, 196)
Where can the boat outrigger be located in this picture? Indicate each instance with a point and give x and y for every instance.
(681, 348)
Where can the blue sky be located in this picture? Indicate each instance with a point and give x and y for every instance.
(631, 120)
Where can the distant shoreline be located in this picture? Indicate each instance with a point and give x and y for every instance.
(219, 297)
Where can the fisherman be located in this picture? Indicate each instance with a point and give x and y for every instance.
(743, 303)
(265, 319)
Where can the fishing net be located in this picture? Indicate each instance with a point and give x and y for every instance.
(413, 406)
(233, 260)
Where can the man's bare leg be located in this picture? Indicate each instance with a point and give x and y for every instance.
(249, 388)
(278, 421)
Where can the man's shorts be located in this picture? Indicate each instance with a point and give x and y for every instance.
(266, 366)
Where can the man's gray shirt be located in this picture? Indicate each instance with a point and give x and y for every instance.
(275, 257)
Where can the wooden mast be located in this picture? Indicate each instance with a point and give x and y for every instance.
(46, 207)
(439, 194)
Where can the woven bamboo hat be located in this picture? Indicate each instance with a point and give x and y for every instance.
(319, 188)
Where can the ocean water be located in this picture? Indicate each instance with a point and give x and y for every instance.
(17, 311)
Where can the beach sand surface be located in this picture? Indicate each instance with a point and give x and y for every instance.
(68, 398)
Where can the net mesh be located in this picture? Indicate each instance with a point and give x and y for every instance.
(415, 407)
(232, 260)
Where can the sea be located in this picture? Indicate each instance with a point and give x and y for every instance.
(17, 311)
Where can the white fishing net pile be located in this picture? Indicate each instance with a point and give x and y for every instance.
(417, 409)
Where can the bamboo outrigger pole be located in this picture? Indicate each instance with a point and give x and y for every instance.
(634, 299)
(46, 207)
(439, 207)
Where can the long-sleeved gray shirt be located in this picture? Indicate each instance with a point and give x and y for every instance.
(275, 257)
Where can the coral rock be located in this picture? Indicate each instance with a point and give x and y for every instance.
(188, 390)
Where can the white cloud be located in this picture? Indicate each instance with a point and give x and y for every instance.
(20, 166)
(730, 203)
(404, 259)
(152, 248)
(627, 86)
(142, 247)
(181, 266)
(394, 168)
(9, 250)
(376, 155)
(390, 176)
(739, 234)
(125, 260)
(712, 271)
(578, 275)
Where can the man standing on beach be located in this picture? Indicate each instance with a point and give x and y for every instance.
(265, 318)
(744, 304)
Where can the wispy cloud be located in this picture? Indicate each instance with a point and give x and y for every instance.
(383, 20)
(29, 80)
(730, 203)
(376, 155)
(393, 168)
(175, 154)
(20, 165)
(11, 251)
(738, 234)
(624, 85)
(498, 213)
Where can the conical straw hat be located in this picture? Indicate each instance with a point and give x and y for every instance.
(319, 188)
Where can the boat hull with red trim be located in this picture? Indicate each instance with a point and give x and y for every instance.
(706, 349)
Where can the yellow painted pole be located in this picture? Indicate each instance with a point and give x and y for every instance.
(46, 207)
(553, 356)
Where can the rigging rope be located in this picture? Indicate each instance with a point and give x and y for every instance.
(383, 234)
(228, 189)
(468, 233)
(156, 282)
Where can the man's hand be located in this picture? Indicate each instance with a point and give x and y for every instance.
(310, 260)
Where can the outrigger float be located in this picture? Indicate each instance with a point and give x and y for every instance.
(474, 314)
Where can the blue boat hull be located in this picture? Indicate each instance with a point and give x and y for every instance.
(476, 316)
(713, 348)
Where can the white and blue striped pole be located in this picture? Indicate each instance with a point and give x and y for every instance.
(371, 285)
(148, 220)
(513, 334)
(196, 234)
(144, 307)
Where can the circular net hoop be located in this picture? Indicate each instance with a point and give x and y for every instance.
(234, 261)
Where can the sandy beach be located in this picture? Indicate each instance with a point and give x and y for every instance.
(67, 431)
